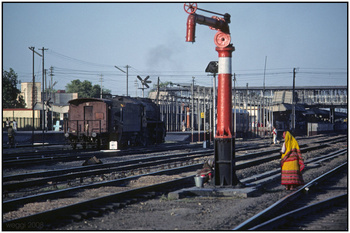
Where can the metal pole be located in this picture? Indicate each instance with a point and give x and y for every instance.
(235, 112)
(210, 119)
(42, 97)
(33, 93)
(101, 79)
(127, 77)
(33, 98)
(293, 101)
(204, 111)
(192, 115)
(127, 81)
(214, 105)
(263, 103)
(199, 119)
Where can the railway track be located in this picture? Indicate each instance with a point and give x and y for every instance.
(22, 159)
(100, 203)
(311, 207)
(19, 181)
(16, 182)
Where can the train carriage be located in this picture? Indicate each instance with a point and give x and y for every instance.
(125, 120)
(88, 121)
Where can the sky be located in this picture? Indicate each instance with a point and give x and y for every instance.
(86, 41)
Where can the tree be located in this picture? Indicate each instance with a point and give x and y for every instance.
(11, 97)
(85, 89)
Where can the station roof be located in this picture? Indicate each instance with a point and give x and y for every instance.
(288, 107)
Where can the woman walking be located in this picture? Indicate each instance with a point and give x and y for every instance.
(291, 162)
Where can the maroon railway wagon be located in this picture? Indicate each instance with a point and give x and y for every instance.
(113, 123)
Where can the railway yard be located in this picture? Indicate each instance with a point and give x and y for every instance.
(198, 156)
(48, 188)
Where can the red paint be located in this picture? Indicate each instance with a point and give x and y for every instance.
(191, 28)
(224, 105)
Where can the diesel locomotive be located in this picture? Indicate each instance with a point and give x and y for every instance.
(114, 122)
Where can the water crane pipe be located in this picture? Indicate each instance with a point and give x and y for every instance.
(214, 23)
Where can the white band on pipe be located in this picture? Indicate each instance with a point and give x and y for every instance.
(225, 65)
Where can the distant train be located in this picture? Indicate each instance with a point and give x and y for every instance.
(115, 122)
(242, 122)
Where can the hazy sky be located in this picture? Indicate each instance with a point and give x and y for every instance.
(86, 40)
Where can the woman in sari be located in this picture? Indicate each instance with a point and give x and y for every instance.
(291, 162)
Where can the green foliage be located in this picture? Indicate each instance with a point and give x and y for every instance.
(85, 89)
(11, 97)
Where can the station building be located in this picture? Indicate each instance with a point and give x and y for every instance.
(55, 107)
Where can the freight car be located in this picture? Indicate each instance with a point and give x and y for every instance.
(115, 122)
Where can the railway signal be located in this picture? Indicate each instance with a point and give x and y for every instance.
(144, 83)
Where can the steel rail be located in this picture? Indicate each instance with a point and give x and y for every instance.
(78, 169)
(107, 165)
(269, 158)
(77, 172)
(101, 169)
(14, 203)
(54, 194)
(51, 216)
(309, 209)
(66, 192)
(265, 214)
(276, 173)
(15, 159)
(62, 156)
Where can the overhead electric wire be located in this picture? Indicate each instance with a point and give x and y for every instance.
(52, 52)
(249, 75)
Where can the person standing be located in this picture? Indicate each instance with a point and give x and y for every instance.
(274, 135)
(292, 163)
(11, 136)
(7, 123)
(14, 123)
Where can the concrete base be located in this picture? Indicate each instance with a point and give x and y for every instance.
(211, 191)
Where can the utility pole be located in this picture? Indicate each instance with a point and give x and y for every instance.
(101, 80)
(33, 93)
(51, 92)
(199, 119)
(136, 85)
(157, 99)
(192, 115)
(51, 84)
(235, 112)
(127, 77)
(263, 101)
(247, 102)
(293, 102)
(46, 97)
(42, 97)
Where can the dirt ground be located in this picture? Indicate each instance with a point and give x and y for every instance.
(198, 213)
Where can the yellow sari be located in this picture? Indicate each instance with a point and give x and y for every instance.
(291, 162)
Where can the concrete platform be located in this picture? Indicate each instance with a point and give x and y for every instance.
(211, 191)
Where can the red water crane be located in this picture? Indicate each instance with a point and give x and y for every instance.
(224, 142)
